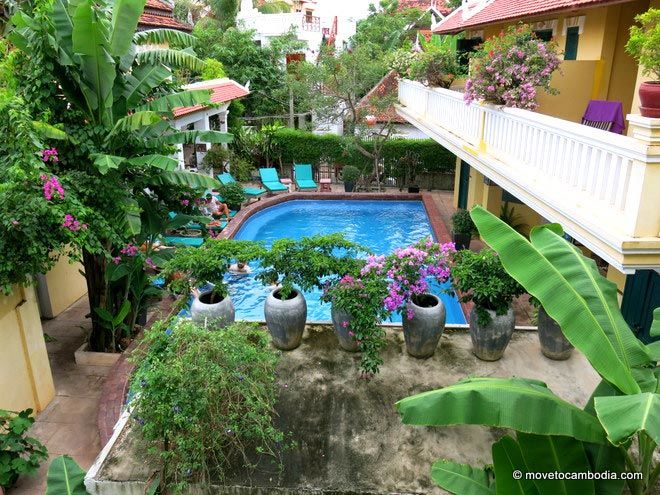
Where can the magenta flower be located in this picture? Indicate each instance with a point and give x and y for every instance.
(130, 250)
(71, 223)
(344, 324)
(15, 222)
(150, 263)
(185, 202)
(49, 155)
(116, 260)
(52, 188)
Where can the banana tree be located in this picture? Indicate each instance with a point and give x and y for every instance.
(617, 431)
(117, 82)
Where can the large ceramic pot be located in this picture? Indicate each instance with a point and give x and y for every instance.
(349, 186)
(286, 319)
(461, 241)
(341, 322)
(489, 341)
(649, 96)
(209, 308)
(422, 332)
(553, 343)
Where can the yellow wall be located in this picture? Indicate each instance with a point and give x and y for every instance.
(65, 286)
(25, 377)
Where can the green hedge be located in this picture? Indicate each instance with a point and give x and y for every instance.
(426, 155)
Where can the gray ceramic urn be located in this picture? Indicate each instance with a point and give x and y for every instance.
(218, 314)
(422, 332)
(341, 321)
(489, 341)
(553, 343)
(286, 319)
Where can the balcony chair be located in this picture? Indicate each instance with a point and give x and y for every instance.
(303, 176)
(271, 180)
(250, 192)
(605, 115)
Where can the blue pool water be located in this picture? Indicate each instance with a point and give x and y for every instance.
(382, 226)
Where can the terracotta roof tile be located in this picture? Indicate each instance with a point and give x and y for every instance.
(158, 5)
(489, 12)
(386, 86)
(222, 92)
(150, 21)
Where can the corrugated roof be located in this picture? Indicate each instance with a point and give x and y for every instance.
(386, 86)
(476, 14)
(223, 90)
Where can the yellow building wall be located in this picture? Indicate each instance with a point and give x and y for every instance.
(25, 377)
(65, 285)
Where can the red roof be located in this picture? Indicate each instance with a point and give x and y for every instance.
(489, 12)
(160, 14)
(386, 86)
(223, 90)
(439, 5)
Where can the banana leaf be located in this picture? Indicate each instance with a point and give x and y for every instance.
(562, 301)
(105, 163)
(182, 99)
(162, 37)
(157, 161)
(125, 17)
(606, 457)
(546, 454)
(171, 58)
(65, 477)
(507, 458)
(190, 137)
(141, 81)
(462, 479)
(522, 405)
(625, 415)
(182, 178)
(136, 120)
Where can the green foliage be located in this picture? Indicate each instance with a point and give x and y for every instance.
(65, 477)
(509, 216)
(481, 278)
(232, 194)
(305, 147)
(350, 174)
(644, 42)
(461, 222)
(597, 438)
(207, 264)
(216, 157)
(213, 69)
(305, 263)
(207, 400)
(19, 454)
(436, 66)
(274, 7)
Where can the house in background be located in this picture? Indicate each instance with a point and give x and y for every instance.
(600, 186)
(160, 14)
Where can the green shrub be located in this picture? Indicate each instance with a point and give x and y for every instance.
(207, 400)
(241, 169)
(461, 223)
(216, 157)
(481, 278)
(19, 454)
(350, 173)
(232, 194)
(644, 42)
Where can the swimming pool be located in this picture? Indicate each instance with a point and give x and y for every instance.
(380, 225)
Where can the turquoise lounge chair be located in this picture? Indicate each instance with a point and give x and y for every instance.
(271, 181)
(252, 192)
(304, 180)
(184, 241)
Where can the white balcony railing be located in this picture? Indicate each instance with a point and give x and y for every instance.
(580, 171)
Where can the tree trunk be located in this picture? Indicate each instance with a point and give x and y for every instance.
(99, 339)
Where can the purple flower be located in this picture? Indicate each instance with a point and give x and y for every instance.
(130, 250)
(150, 263)
(71, 223)
(344, 324)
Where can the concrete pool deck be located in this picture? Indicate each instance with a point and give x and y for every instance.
(349, 435)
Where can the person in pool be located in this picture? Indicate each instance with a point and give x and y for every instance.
(240, 268)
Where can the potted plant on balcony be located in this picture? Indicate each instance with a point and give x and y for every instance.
(203, 272)
(423, 314)
(644, 46)
(438, 66)
(350, 175)
(509, 69)
(481, 278)
(296, 266)
(462, 228)
(232, 195)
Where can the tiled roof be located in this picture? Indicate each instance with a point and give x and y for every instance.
(439, 5)
(160, 14)
(387, 85)
(475, 14)
(223, 90)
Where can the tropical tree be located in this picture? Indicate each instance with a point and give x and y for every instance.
(111, 91)
(553, 435)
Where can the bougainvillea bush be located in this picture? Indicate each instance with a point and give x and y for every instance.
(510, 68)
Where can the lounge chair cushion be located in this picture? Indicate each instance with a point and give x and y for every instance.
(254, 191)
(275, 186)
(306, 184)
(185, 241)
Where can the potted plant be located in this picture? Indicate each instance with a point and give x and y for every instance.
(350, 175)
(462, 228)
(644, 46)
(357, 312)
(423, 314)
(233, 195)
(481, 278)
(296, 266)
(496, 69)
(553, 343)
(436, 67)
(204, 269)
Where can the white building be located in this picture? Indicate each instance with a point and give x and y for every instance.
(315, 24)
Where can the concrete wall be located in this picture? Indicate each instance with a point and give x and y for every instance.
(61, 287)
(25, 377)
